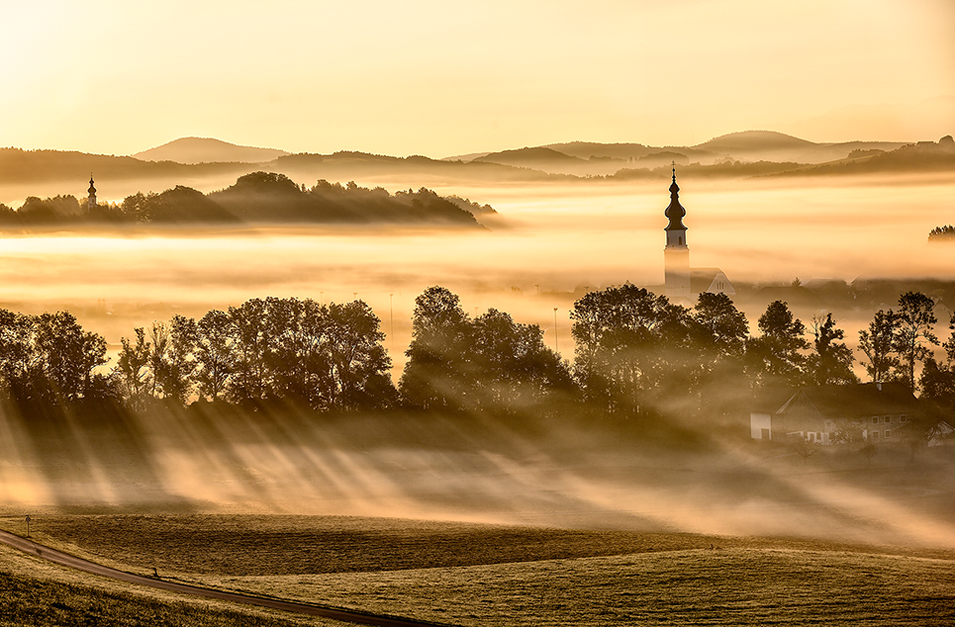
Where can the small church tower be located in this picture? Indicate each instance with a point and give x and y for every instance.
(91, 203)
(676, 255)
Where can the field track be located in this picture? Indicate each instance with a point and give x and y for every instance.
(65, 559)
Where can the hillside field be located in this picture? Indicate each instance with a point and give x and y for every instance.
(469, 574)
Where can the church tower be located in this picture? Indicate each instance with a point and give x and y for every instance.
(91, 203)
(676, 255)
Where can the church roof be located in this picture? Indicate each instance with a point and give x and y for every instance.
(675, 211)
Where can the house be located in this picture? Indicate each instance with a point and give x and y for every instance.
(877, 412)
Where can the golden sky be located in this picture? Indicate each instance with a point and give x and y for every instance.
(439, 78)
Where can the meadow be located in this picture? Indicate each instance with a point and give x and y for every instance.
(476, 574)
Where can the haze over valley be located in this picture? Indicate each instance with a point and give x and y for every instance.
(505, 314)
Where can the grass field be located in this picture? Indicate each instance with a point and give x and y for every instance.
(468, 574)
(37, 593)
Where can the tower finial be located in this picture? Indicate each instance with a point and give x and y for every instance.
(673, 164)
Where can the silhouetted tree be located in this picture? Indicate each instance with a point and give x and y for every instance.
(937, 381)
(16, 348)
(250, 349)
(358, 365)
(915, 324)
(66, 354)
(296, 358)
(437, 371)
(830, 361)
(726, 327)
(214, 354)
(514, 367)
(627, 341)
(133, 365)
(490, 362)
(775, 357)
(722, 334)
(878, 344)
(173, 360)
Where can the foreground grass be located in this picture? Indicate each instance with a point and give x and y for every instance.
(468, 574)
(688, 587)
(34, 592)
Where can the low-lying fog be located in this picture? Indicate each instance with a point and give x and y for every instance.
(555, 242)
(546, 248)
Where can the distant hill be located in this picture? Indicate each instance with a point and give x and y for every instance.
(270, 197)
(773, 146)
(921, 157)
(754, 141)
(588, 150)
(256, 198)
(736, 155)
(546, 160)
(193, 150)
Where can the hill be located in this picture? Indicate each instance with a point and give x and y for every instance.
(193, 150)
(258, 198)
(734, 155)
(922, 157)
(754, 141)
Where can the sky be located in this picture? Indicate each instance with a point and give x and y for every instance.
(444, 78)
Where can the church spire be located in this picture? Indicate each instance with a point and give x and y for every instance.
(92, 190)
(675, 211)
(676, 255)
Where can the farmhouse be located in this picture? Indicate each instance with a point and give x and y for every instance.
(877, 412)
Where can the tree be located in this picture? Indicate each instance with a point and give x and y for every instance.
(172, 360)
(937, 381)
(775, 356)
(726, 327)
(250, 348)
(916, 322)
(17, 353)
(133, 365)
(514, 366)
(296, 361)
(831, 361)
(868, 450)
(358, 363)
(214, 353)
(631, 347)
(490, 362)
(878, 345)
(66, 354)
(804, 448)
(722, 332)
(437, 371)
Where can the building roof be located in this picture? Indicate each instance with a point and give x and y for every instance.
(675, 211)
(854, 401)
(702, 278)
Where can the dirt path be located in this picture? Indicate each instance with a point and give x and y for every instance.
(65, 559)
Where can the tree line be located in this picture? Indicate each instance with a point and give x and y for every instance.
(258, 197)
(636, 354)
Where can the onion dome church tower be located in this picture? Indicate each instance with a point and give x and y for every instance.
(91, 203)
(676, 255)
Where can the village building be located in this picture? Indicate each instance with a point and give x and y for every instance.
(91, 201)
(875, 412)
(681, 281)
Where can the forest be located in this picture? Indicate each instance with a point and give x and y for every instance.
(258, 197)
(638, 357)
